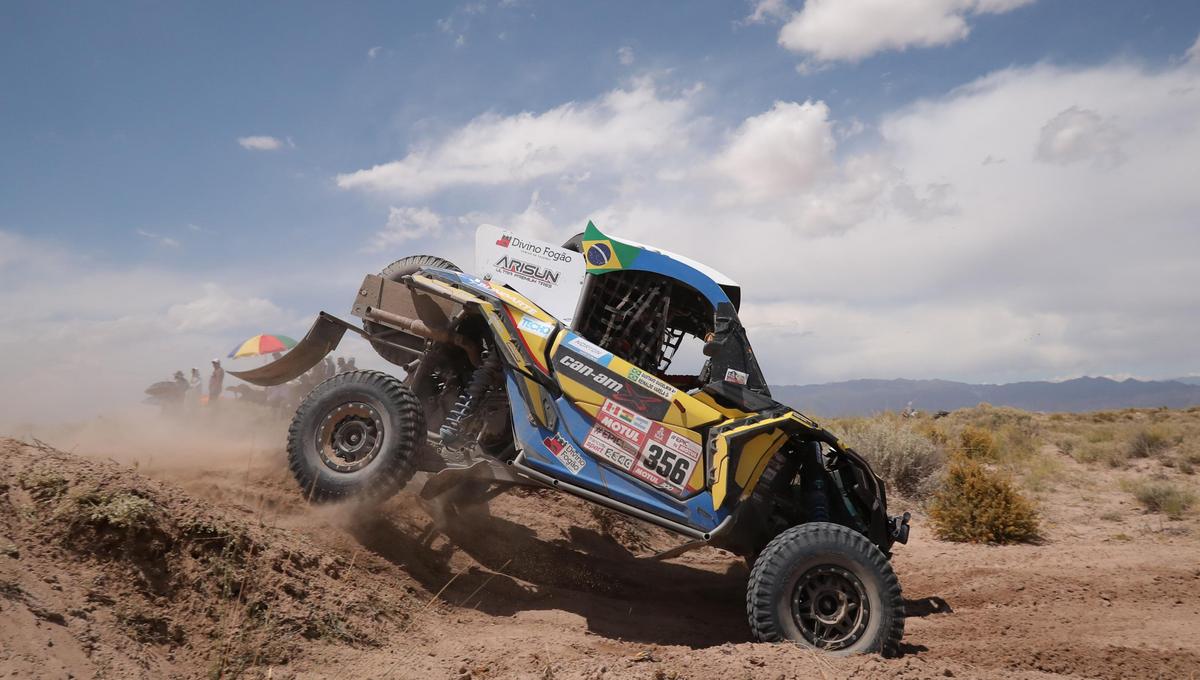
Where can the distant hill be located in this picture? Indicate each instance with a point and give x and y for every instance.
(861, 397)
(1189, 380)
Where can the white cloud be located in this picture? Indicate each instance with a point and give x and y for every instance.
(767, 10)
(1076, 135)
(374, 52)
(493, 150)
(625, 55)
(406, 224)
(911, 254)
(260, 143)
(780, 153)
(851, 30)
(218, 309)
(1193, 53)
(165, 241)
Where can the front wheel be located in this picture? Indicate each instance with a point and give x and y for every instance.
(825, 586)
(357, 436)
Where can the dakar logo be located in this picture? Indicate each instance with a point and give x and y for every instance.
(528, 271)
(503, 241)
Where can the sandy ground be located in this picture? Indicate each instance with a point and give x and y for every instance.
(544, 587)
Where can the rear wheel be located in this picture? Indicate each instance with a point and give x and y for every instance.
(405, 266)
(825, 586)
(355, 435)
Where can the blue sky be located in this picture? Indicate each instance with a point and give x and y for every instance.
(733, 130)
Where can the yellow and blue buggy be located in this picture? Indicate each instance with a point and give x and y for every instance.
(498, 391)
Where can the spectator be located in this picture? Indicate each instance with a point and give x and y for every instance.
(216, 383)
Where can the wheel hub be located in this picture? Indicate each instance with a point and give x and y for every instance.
(830, 607)
(350, 436)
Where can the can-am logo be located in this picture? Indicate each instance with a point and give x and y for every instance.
(528, 271)
(503, 241)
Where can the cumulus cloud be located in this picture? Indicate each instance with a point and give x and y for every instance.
(1076, 135)
(909, 253)
(217, 310)
(260, 143)
(851, 30)
(374, 52)
(767, 10)
(779, 153)
(495, 150)
(406, 224)
(625, 55)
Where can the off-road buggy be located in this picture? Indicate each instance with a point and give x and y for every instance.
(551, 369)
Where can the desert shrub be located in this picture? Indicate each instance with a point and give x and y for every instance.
(978, 443)
(907, 460)
(44, 484)
(1146, 443)
(1161, 496)
(121, 510)
(1186, 467)
(977, 505)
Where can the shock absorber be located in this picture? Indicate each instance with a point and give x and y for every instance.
(468, 400)
(816, 495)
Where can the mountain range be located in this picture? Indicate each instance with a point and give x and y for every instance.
(863, 397)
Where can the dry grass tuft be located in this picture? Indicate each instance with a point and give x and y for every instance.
(1161, 496)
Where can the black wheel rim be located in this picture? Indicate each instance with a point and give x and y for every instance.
(350, 437)
(830, 606)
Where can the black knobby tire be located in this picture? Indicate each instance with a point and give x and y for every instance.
(802, 587)
(356, 435)
(405, 266)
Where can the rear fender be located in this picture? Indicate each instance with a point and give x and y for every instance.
(322, 338)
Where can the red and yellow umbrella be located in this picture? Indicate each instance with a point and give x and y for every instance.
(262, 344)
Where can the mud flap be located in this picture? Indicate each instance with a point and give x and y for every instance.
(320, 340)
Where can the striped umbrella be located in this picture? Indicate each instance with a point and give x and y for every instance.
(262, 344)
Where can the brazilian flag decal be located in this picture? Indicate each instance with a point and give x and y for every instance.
(604, 254)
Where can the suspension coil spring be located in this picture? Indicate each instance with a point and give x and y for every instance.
(486, 375)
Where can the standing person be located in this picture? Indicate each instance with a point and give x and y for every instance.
(195, 389)
(341, 365)
(350, 364)
(328, 368)
(216, 383)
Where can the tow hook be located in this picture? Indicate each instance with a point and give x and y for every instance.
(899, 527)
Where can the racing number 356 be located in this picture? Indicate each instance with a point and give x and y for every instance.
(667, 464)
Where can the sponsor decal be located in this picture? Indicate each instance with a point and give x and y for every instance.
(503, 241)
(736, 377)
(591, 374)
(528, 271)
(541, 251)
(538, 328)
(603, 444)
(581, 345)
(565, 453)
(662, 389)
(628, 426)
(667, 459)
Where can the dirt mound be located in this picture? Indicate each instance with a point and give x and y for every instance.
(108, 573)
(206, 562)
